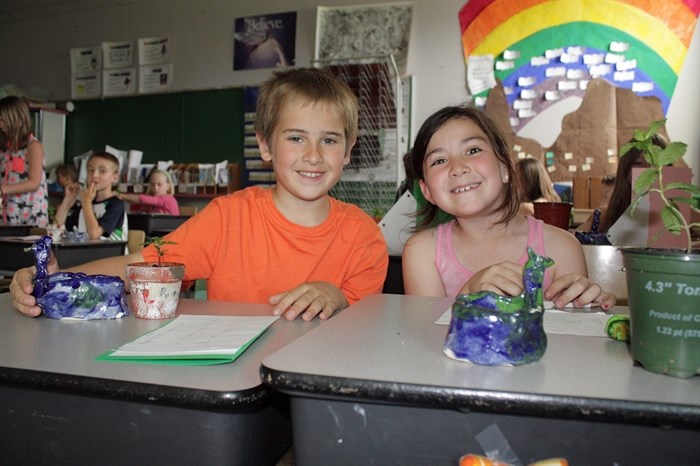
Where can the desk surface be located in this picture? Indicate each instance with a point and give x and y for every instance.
(68, 254)
(387, 348)
(152, 223)
(60, 355)
(15, 230)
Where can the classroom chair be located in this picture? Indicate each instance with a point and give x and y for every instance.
(135, 240)
(188, 210)
(605, 268)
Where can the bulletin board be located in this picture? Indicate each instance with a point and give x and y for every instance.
(195, 126)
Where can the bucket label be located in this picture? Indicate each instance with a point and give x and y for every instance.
(163, 291)
(681, 289)
(673, 317)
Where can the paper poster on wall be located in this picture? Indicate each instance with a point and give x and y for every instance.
(119, 82)
(118, 54)
(265, 41)
(155, 78)
(85, 86)
(364, 31)
(85, 60)
(155, 50)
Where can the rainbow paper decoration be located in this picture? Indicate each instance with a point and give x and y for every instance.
(551, 48)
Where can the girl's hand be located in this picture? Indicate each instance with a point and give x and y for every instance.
(578, 290)
(505, 278)
(312, 298)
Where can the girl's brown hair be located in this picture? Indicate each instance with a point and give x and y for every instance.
(14, 113)
(535, 181)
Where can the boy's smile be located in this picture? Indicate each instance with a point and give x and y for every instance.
(308, 150)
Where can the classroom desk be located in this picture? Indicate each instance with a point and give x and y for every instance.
(60, 406)
(374, 387)
(15, 230)
(68, 254)
(156, 224)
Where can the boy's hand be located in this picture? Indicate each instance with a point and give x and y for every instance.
(578, 290)
(313, 298)
(22, 286)
(88, 194)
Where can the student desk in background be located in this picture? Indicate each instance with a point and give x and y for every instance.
(68, 254)
(373, 386)
(15, 230)
(60, 406)
(156, 224)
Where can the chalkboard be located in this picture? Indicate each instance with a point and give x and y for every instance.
(194, 126)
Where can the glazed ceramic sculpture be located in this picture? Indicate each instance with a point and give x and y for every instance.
(491, 329)
(75, 295)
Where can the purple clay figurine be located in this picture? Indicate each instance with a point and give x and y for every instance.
(75, 295)
(494, 330)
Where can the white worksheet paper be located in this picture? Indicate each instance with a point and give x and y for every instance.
(195, 334)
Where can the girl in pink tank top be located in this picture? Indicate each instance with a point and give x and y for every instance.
(464, 169)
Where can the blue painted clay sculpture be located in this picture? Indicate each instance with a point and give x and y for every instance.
(491, 329)
(75, 295)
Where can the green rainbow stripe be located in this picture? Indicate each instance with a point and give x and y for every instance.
(598, 37)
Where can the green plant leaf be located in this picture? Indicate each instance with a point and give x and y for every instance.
(672, 219)
(646, 180)
(692, 189)
(626, 147)
(672, 153)
(653, 128)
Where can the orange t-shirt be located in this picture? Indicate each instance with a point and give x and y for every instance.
(248, 251)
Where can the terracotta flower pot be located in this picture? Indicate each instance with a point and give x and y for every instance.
(155, 289)
(554, 213)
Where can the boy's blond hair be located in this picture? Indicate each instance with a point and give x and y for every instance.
(108, 157)
(306, 85)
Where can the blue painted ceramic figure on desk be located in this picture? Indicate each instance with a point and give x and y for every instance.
(75, 295)
(491, 329)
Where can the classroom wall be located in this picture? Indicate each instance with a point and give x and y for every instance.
(203, 50)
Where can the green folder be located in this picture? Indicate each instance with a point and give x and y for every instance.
(193, 341)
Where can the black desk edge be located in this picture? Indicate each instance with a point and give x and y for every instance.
(463, 399)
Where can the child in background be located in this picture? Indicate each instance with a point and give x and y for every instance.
(159, 198)
(535, 185)
(105, 218)
(463, 167)
(23, 188)
(621, 196)
(291, 245)
(66, 174)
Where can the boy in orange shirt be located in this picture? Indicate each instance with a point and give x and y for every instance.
(292, 245)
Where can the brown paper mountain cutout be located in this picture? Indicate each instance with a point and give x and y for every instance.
(605, 121)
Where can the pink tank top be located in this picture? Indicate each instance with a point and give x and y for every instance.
(454, 275)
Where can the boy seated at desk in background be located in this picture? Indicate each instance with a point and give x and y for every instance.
(292, 245)
(105, 218)
(66, 175)
(159, 199)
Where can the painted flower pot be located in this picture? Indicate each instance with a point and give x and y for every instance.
(154, 288)
(554, 213)
(664, 302)
(495, 338)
